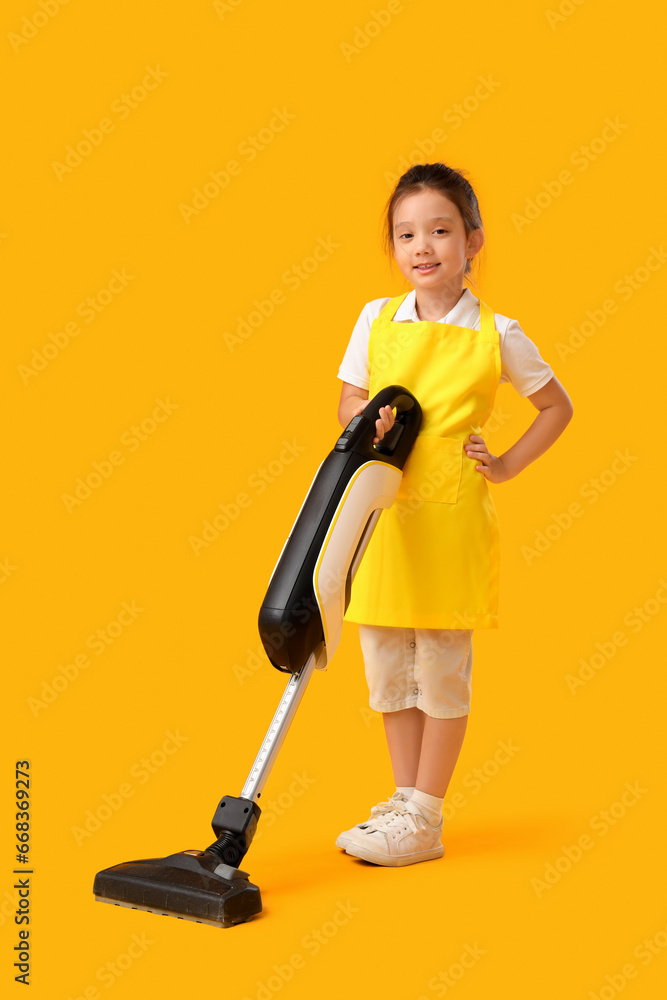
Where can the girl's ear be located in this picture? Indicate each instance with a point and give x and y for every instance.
(475, 241)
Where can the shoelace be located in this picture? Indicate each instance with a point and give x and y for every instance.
(404, 822)
(383, 811)
(389, 805)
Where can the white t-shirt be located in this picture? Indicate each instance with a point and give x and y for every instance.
(520, 360)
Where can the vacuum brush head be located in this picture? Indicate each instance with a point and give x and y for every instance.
(190, 885)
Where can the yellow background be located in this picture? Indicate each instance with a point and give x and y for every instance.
(365, 101)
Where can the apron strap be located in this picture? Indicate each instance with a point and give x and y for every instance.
(389, 309)
(487, 322)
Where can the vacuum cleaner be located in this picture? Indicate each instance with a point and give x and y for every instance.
(300, 624)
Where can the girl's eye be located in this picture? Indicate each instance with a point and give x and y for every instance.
(441, 230)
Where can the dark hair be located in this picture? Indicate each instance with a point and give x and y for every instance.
(439, 177)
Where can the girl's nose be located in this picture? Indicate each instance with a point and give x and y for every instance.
(422, 246)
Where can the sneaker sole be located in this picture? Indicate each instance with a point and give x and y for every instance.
(358, 850)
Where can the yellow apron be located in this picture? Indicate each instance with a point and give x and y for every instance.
(433, 558)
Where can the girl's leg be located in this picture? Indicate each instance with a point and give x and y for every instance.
(404, 730)
(441, 744)
(444, 675)
(423, 750)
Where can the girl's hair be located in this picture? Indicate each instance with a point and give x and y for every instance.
(439, 177)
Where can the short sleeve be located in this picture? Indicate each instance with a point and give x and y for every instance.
(521, 362)
(354, 366)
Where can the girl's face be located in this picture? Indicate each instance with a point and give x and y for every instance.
(429, 230)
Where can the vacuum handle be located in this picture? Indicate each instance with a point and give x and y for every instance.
(395, 446)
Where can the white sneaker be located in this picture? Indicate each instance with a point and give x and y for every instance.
(402, 839)
(394, 804)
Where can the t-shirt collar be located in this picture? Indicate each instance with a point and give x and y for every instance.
(458, 316)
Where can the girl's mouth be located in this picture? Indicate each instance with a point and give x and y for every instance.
(426, 268)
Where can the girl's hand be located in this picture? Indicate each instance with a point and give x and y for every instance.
(384, 423)
(492, 468)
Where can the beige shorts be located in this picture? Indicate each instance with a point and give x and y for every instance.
(421, 668)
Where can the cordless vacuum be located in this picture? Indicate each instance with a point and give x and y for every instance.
(300, 624)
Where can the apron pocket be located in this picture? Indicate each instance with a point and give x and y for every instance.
(433, 469)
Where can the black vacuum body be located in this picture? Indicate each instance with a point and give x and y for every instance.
(300, 624)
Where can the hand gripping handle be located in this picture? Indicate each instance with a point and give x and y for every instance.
(395, 446)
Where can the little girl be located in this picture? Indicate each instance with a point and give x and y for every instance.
(429, 575)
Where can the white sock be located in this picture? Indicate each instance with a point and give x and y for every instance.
(406, 789)
(431, 805)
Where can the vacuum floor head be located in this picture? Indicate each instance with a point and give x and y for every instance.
(190, 885)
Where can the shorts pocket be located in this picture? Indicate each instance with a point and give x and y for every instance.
(432, 469)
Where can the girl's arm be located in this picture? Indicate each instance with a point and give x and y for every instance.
(556, 410)
(351, 396)
(354, 400)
